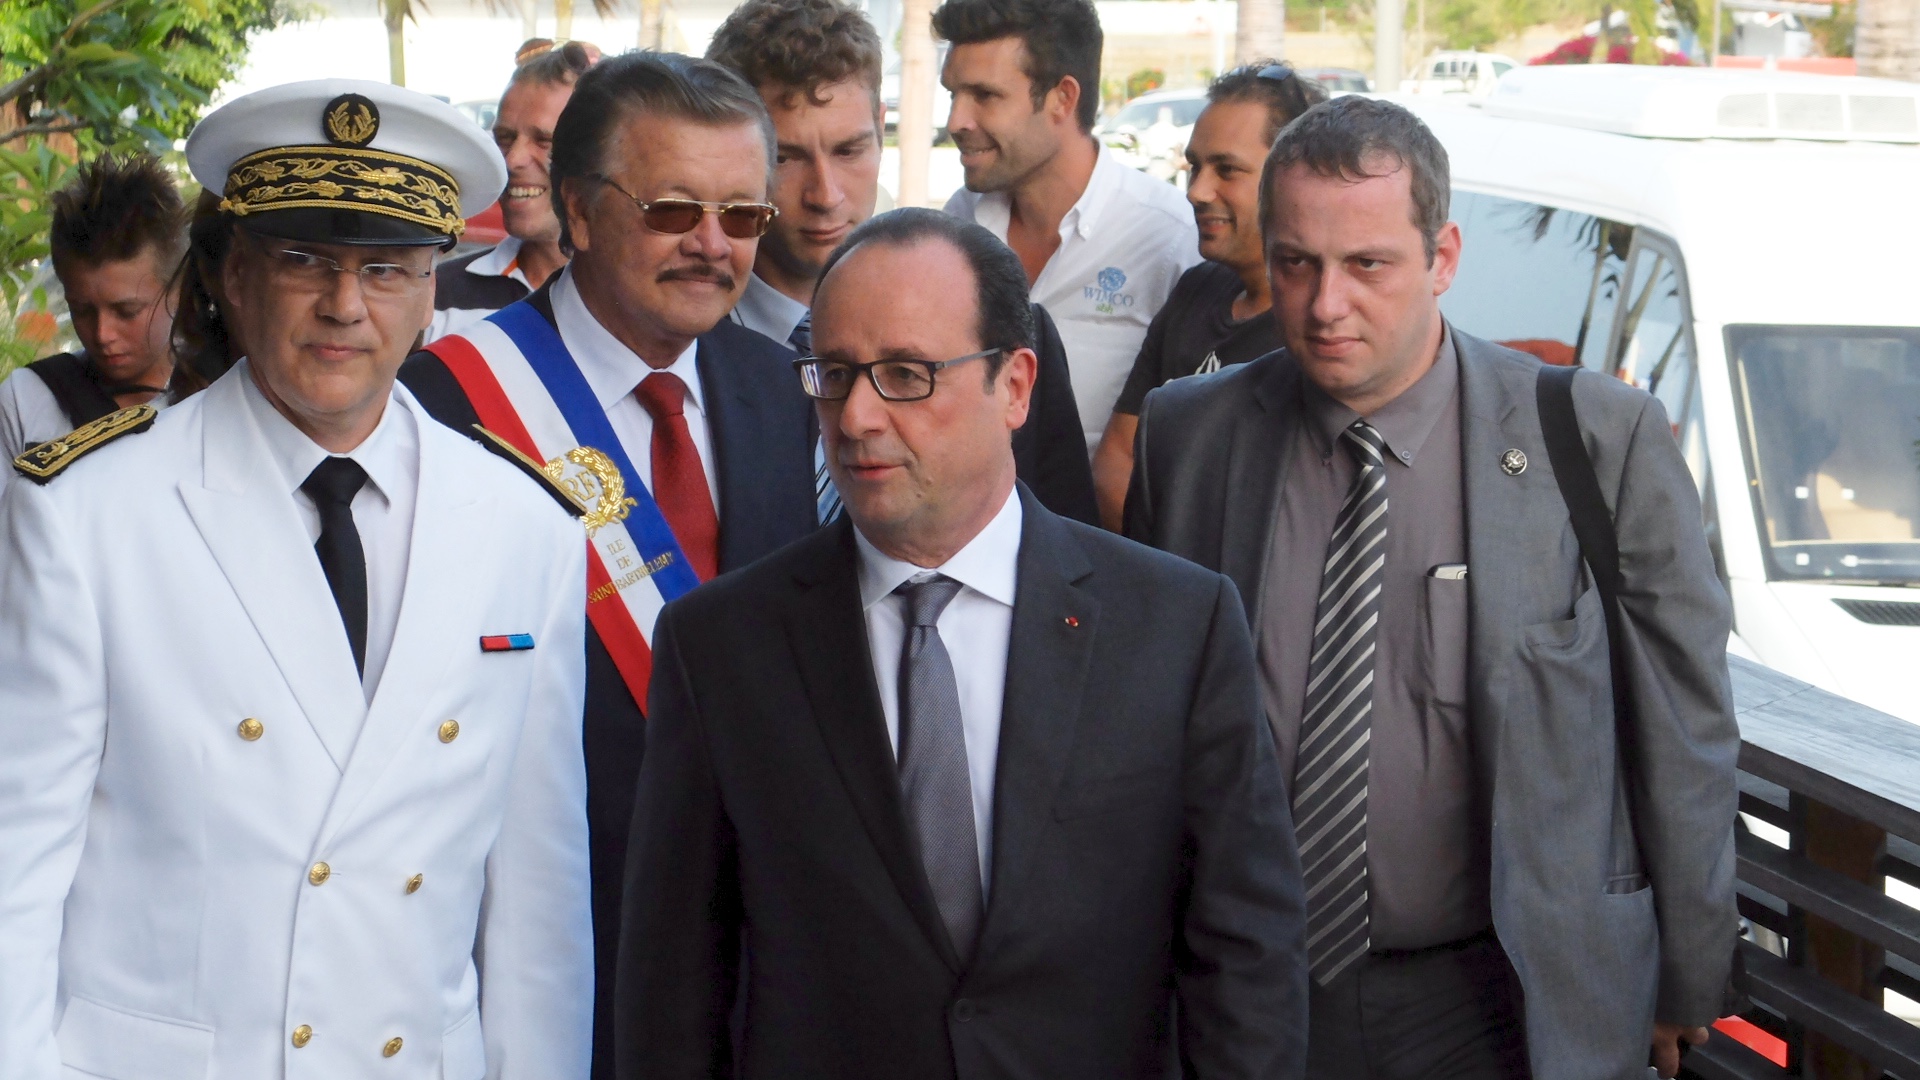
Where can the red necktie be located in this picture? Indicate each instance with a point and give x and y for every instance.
(679, 483)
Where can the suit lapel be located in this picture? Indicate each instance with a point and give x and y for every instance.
(247, 517)
(439, 608)
(829, 636)
(1047, 662)
(1492, 422)
(735, 426)
(1257, 458)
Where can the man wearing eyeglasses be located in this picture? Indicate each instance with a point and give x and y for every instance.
(686, 435)
(955, 787)
(290, 772)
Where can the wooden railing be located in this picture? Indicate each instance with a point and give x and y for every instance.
(1837, 786)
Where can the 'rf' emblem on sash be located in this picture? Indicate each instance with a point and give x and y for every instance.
(595, 482)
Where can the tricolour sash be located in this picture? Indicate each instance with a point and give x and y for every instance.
(527, 389)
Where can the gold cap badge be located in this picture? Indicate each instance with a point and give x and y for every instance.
(351, 120)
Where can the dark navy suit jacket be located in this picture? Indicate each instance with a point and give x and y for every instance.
(762, 429)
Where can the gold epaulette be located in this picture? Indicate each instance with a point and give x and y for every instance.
(531, 467)
(44, 462)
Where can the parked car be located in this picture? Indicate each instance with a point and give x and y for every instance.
(1731, 241)
(1338, 80)
(483, 113)
(1150, 132)
(1473, 73)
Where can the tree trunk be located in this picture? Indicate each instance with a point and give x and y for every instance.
(563, 20)
(1887, 39)
(652, 24)
(396, 12)
(529, 19)
(1389, 30)
(1260, 32)
(916, 99)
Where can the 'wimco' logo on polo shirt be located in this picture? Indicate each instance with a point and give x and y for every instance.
(1105, 291)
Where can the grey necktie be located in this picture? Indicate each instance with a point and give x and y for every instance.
(935, 785)
(1330, 774)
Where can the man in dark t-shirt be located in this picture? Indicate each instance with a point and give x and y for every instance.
(1218, 313)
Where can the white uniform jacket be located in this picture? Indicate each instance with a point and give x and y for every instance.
(175, 682)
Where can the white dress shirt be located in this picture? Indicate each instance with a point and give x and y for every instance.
(767, 311)
(977, 629)
(502, 261)
(382, 511)
(613, 371)
(1122, 247)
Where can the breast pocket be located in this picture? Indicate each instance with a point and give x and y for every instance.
(1114, 794)
(1443, 628)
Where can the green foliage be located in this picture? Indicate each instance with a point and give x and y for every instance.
(1834, 36)
(81, 77)
(1144, 80)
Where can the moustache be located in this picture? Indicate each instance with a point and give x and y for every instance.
(711, 274)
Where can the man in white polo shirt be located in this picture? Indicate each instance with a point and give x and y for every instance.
(1101, 243)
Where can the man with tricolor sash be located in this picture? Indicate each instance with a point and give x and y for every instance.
(687, 437)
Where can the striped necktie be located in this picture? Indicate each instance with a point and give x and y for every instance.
(1330, 773)
(826, 497)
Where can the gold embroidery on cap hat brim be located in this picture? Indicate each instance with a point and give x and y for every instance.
(331, 177)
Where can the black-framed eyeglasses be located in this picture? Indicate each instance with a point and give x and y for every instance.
(742, 221)
(305, 270)
(894, 380)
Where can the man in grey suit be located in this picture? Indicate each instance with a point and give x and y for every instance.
(968, 789)
(1495, 889)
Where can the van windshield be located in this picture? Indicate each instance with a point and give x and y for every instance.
(1832, 424)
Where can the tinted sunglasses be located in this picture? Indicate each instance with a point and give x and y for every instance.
(742, 221)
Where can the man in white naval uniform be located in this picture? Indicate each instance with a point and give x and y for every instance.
(291, 679)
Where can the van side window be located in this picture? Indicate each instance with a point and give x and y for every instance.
(1541, 279)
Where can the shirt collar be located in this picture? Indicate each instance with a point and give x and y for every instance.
(502, 261)
(611, 369)
(1405, 422)
(383, 454)
(767, 311)
(994, 210)
(989, 564)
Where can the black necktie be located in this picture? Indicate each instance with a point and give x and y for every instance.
(332, 486)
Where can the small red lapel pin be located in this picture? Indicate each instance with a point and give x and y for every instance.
(1071, 621)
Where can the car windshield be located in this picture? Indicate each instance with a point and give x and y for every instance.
(1142, 114)
(1832, 424)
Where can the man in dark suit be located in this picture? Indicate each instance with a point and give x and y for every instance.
(626, 359)
(1498, 888)
(817, 65)
(955, 787)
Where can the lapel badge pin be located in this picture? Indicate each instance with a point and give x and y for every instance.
(1071, 621)
(1513, 462)
(505, 642)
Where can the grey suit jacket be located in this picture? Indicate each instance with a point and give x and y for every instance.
(1603, 941)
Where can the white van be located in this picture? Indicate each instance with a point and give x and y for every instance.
(1747, 247)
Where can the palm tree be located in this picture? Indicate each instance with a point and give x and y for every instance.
(1261, 30)
(397, 13)
(1887, 39)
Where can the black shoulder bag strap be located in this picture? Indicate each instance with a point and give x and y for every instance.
(74, 387)
(1600, 546)
(1592, 525)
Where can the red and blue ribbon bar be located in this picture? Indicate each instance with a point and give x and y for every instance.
(505, 642)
